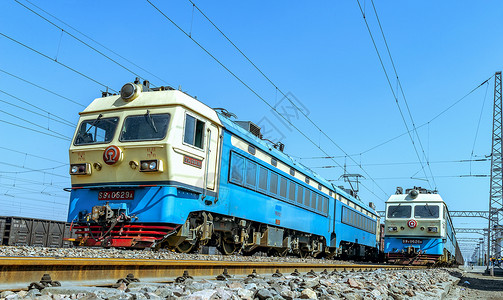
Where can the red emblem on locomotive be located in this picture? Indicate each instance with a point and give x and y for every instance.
(112, 155)
(412, 223)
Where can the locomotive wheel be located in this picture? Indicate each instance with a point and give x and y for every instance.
(186, 247)
(228, 248)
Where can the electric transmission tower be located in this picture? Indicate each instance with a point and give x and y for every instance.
(496, 188)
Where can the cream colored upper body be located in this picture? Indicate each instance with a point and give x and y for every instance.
(423, 223)
(171, 151)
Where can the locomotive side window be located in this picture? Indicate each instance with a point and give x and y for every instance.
(251, 174)
(307, 197)
(273, 186)
(194, 131)
(255, 176)
(96, 131)
(262, 179)
(426, 211)
(399, 211)
(145, 127)
(313, 200)
(282, 187)
(291, 191)
(355, 219)
(237, 166)
(300, 194)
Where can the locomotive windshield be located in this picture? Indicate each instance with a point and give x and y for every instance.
(426, 211)
(399, 211)
(145, 127)
(96, 131)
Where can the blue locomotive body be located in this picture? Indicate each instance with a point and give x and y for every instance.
(207, 180)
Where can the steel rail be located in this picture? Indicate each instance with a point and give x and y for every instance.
(21, 271)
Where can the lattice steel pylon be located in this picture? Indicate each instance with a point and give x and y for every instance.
(496, 188)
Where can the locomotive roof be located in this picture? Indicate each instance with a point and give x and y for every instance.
(152, 99)
(420, 198)
(285, 158)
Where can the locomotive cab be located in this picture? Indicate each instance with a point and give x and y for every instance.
(417, 227)
(133, 149)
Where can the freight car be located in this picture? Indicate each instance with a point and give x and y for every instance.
(419, 229)
(19, 231)
(155, 167)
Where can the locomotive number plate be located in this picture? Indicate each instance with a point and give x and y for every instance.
(116, 195)
(411, 241)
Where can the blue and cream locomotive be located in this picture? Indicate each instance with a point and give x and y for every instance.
(418, 229)
(158, 168)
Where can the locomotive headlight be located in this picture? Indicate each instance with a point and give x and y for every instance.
(80, 169)
(433, 229)
(392, 229)
(130, 91)
(153, 165)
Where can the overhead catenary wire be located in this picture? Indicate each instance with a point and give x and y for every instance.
(100, 44)
(34, 130)
(32, 155)
(79, 40)
(58, 62)
(63, 120)
(412, 163)
(403, 94)
(48, 115)
(393, 91)
(402, 134)
(32, 123)
(260, 97)
(43, 88)
(34, 170)
(478, 125)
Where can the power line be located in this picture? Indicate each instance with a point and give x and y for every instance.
(54, 60)
(393, 92)
(81, 41)
(432, 119)
(478, 124)
(34, 170)
(403, 95)
(43, 88)
(412, 163)
(32, 123)
(63, 120)
(32, 182)
(28, 154)
(98, 43)
(21, 126)
(254, 92)
(441, 176)
(48, 116)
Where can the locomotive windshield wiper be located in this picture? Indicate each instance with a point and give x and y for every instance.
(429, 210)
(151, 121)
(395, 210)
(94, 123)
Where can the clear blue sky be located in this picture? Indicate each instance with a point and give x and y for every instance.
(319, 52)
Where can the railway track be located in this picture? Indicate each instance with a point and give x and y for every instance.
(19, 272)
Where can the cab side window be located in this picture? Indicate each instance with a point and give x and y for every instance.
(194, 132)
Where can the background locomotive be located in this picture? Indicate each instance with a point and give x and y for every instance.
(418, 229)
(158, 168)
